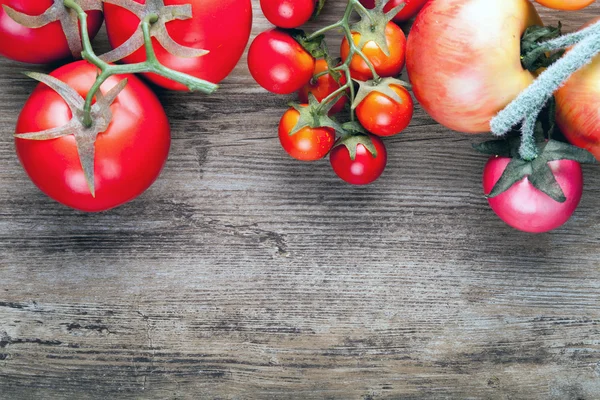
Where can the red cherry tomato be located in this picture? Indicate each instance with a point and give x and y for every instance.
(220, 26)
(308, 144)
(569, 5)
(464, 59)
(323, 87)
(384, 116)
(526, 208)
(129, 155)
(278, 63)
(288, 13)
(384, 65)
(39, 45)
(365, 168)
(411, 8)
(578, 114)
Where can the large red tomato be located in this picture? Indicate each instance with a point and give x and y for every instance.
(220, 26)
(578, 114)
(528, 209)
(464, 59)
(129, 154)
(37, 45)
(411, 8)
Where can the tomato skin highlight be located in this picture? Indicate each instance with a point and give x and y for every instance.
(129, 154)
(411, 8)
(526, 208)
(382, 115)
(567, 5)
(577, 111)
(385, 66)
(39, 45)
(220, 26)
(323, 87)
(278, 63)
(464, 59)
(308, 144)
(287, 13)
(365, 168)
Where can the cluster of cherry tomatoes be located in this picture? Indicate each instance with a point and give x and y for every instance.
(129, 154)
(284, 60)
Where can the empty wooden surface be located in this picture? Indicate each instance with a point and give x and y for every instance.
(243, 274)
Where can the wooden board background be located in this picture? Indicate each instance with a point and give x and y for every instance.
(243, 274)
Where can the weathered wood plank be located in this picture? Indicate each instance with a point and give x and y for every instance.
(242, 274)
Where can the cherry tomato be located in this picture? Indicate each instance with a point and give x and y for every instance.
(526, 208)
(568, 5)
(39, 45)
(411, 8)
(365, 168)
(308, 144)
(385, 66)
(220, 26)
(323, 87)
(578, 114)
(129, 155)
(384, 116)
(288, 13)
(279, 63)
(463, 59)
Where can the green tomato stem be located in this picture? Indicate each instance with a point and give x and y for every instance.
(344, 23)
(150, 65)
(532, 100)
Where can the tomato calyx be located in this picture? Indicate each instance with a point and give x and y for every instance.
(534, 55)
(372, 23)
(381, 85)
(315, 46)
(85, 137)
(159, 15)
(354, 134)
(58, 12)
(537, 170)
(318, 8)
(315, 115)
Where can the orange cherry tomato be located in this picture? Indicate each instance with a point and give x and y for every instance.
(384, 65)
(384, 116)
(568, 5)
(308, 144)
(323, 87)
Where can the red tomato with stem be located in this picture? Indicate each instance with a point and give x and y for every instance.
(220, 26)
(279, 63)
(385, 66)
(288, 13)
(568, 5)
(464, 59)
(384, 116)
(308, 144)
(37, 45)
(411, 8)
(129, 154)
(323, 87)
(578, 114)
(365, 168)
(528, 209)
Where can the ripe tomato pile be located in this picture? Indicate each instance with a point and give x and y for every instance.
(92, 135)
(467, 60)
(285, 60)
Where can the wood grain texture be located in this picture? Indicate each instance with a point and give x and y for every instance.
(243, 274)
